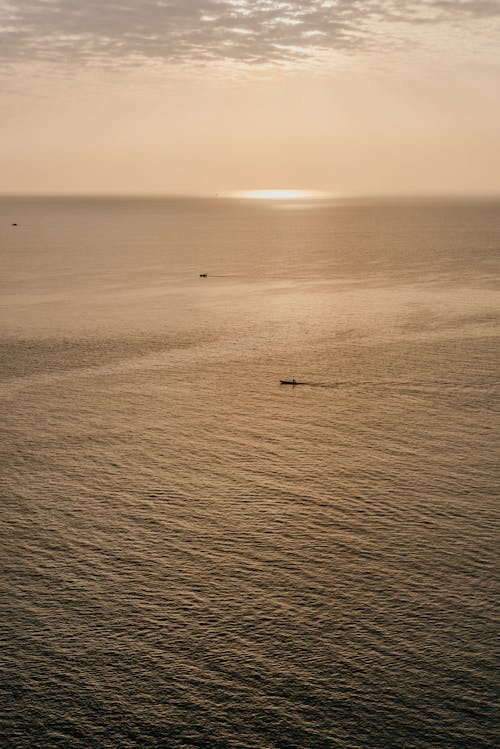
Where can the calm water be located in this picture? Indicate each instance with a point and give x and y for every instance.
(196, 556)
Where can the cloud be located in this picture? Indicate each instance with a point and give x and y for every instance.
(178, 31)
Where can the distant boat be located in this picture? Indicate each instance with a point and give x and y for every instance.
(289, 382)
(203, 275)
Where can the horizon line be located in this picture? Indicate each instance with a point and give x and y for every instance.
(243, 195)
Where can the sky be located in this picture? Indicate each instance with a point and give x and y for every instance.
(205, 97)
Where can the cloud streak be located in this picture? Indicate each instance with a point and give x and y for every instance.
(187, 31)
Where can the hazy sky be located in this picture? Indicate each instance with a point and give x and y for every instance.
(206, 96)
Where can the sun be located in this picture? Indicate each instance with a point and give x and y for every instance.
(277, 194)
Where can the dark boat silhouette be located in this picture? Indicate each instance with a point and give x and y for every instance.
(289, 382)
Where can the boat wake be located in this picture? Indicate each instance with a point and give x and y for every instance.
(420, 384)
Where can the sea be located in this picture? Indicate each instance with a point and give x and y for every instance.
(197, 556)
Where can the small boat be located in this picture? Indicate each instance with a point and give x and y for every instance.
(288, 382)
(203, 275)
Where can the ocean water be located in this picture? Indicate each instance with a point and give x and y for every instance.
(197, 556)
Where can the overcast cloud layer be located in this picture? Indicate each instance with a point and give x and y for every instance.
(177, 31)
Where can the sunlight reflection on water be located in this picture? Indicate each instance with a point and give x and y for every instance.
(198, 556)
